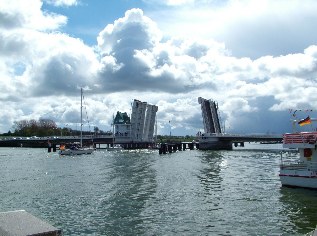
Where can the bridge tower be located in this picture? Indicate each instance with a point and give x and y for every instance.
(212, 139)
(142, 121)
(209, 111)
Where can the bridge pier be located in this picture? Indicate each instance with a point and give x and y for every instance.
(241, 144)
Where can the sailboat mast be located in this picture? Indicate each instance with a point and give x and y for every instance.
(155, 139)
(81, 117)
(112, 130)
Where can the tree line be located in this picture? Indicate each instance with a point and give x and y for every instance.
(42, 128)
(48, 127)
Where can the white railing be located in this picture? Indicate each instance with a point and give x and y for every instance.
(299, 165)
(303, 137)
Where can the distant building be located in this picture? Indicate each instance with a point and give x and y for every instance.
(140, 127)
(122, 125)
(209, 111)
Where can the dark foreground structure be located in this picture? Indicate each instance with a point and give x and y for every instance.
(21, 223)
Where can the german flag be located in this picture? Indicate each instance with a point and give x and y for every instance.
(305, 121)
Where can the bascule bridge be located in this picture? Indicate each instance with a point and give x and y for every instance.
(210, 116)
(214, 139)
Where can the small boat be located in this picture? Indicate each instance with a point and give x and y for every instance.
(72, 149)
(301, 172)
(77, 148)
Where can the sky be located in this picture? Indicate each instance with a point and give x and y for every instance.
(256, 59)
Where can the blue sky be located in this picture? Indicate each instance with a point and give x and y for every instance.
(257, 59)
(88, 17)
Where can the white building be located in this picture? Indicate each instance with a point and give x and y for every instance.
(122, 126)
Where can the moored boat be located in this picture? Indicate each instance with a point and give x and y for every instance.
(74, 149)
(303, 171)
(77, 148)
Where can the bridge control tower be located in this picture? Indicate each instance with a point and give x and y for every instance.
(209, 111)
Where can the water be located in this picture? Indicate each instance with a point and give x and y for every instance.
(143, 193)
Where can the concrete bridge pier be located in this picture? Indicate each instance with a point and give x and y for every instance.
(236, 144)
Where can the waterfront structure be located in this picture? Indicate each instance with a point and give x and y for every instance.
(142, 121)
(20, 222)
(138, 128)
(137, 119)
(301, 172)
(209, 111)
(149, 124)
(211, 138)
(122, 125)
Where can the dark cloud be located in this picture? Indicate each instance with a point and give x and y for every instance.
(197, 50)
(10, 21)
(163, 58)
(262, 120)
(13, 45)
(134, 76)
(60, 75)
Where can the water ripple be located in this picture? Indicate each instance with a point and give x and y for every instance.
(143, 193)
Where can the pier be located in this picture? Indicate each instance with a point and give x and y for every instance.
(21, 223)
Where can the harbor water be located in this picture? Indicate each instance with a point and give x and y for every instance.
(140, 192)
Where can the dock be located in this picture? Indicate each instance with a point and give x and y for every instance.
(22, 223)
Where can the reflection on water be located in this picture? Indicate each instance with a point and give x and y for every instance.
(134, 182)
(144, 193)
(210, 178)
(299, 205)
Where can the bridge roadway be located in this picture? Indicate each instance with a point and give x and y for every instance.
(239, 138)
(41, 142)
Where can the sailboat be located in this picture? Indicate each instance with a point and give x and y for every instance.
(77, 148)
